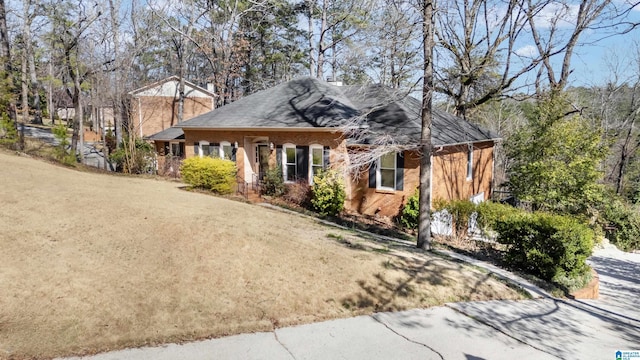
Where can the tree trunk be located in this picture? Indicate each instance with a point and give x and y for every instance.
(5, 57)
(117, 101)
(310, 6)
(424, 222)
(321, 45)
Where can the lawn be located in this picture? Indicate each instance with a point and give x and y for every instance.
(92, 262)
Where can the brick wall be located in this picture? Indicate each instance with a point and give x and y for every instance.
(449, 180)
(246, 139)
(450, 172)
(159, 113)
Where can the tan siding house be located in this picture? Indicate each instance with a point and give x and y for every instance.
(306, 124)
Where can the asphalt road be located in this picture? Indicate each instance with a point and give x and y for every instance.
(544, 328)
(92, 156)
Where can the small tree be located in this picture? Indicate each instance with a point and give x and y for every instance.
(61, 152)
(554, 160)
(8, 132)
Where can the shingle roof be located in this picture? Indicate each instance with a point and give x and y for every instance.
(300, 103)
(311, 103)
(172, 133)
(396, 114)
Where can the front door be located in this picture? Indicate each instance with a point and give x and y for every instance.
(263, 153)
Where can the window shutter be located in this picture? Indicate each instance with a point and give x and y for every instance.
(302, 162)
(234, 150)
(372, 174)
(400, 170)
(196, 149)
(279, 157)
(326, 157)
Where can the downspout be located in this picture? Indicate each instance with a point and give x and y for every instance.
(140, 115)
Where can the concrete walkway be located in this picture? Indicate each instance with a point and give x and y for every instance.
(543, 328)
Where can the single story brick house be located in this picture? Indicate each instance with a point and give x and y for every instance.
(306, 125)
(155, 107)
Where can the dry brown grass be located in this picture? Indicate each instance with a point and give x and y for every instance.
(92, 262)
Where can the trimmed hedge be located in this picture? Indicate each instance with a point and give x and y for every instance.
(208, 173)
(551, 247)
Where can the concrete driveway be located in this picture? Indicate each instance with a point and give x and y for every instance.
(545, 328)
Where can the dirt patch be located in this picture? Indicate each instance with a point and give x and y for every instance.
(93, 262)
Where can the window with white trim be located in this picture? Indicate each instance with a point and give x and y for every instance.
(289, 163)
(226, 150)
(316, 161)
(386, 172)
(470, 163)
(205, 148)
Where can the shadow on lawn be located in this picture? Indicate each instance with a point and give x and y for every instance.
(415, 285)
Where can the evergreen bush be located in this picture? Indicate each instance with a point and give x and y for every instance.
(551, 247)
(621, 224)
(273, 182)
(411, 211)
(214, 174)
(8, 132)
(328, 193)
(61, 152)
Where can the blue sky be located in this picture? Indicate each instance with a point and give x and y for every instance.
(601, 56)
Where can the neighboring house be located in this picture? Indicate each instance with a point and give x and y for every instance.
(305, 125)
(155, 107)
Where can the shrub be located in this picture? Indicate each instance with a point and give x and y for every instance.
(328, 193)
(61, 152)
(552, 247)
(208, 173)
(460, 211)
(411, 211)
(489, 213)
(8, 131)
(621, 224)
(298, 193)
(134, 157)
(273, 182)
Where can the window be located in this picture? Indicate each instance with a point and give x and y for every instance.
(290, 164)
(177, 149)
(470, 162)
(226, 150)
(205, 149)
(316, 160)
(387, 173)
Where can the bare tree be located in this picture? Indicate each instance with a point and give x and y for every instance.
(483, 40)
(330, 24)
(69, 28)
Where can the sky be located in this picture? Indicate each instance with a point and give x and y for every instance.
(601, 57)
(592, 62)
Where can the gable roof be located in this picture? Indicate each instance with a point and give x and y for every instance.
(169, 87)
(300, 103)
(395, 114)
(309, 103)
